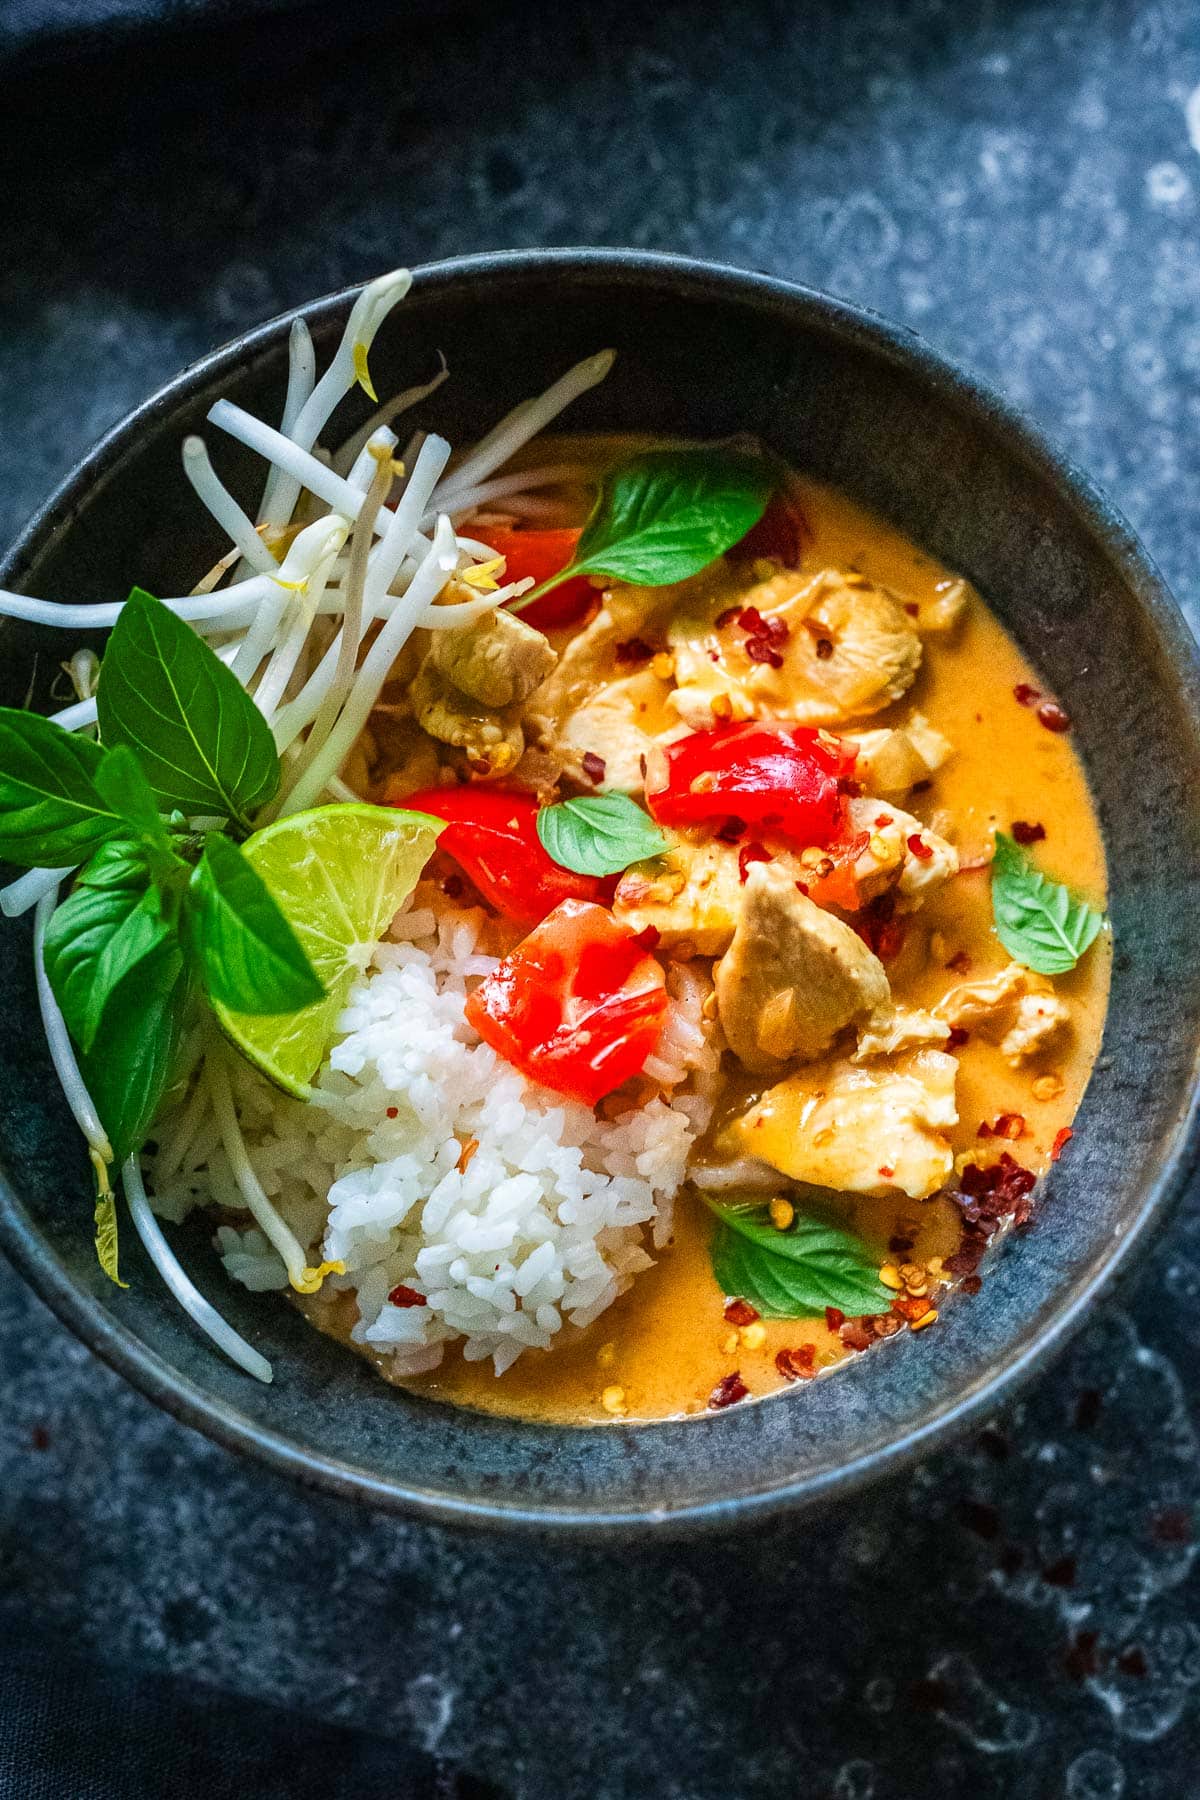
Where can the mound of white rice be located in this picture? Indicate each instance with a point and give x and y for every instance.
(427, 1162)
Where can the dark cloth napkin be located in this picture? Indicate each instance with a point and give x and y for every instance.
(71, 1730)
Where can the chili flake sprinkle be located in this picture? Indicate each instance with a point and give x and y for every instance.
(920, 849)
(798, 1364)
(593, 766)
(1053, 716)
(740, 1312)
(835, 1318)
(728, 1391)
(406, 1296)
(1061, 1140)
(1026, 832)
(1024, 695)
(750, 853)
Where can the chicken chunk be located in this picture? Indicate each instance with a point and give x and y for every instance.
(691, 895)
(893, 1029)
(832, 647)
(901, 855)
(891, 762)
(632, 620)
(491, 738)
(619, 725)
(498, 661)
(794, 975)
(1017, 1009)
(874, 1130)
(945, 608)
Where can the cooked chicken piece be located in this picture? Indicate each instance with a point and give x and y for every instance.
(859, 1130)
(893, 1029)
(691, 895)
(794, 975)
(831, 647)
(892, 761)
(1017, 1009)
(616, 725)
(491, 738)
(499, 660)
(631, 621)
(943, 611)
(901, 854)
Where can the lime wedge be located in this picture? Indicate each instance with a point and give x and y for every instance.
(339, 873)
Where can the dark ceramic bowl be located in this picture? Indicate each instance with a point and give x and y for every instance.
(859, 402)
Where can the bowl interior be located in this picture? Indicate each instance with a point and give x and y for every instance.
(702, 352)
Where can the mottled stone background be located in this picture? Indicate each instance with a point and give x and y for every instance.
(1021, 182)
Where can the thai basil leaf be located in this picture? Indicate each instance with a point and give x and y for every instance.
(131, 1064)
(96, 941)
(666, 515)
(248, 956)
(797, 1273)
(203, 744)
(51, 812)
(598, 834)
(1040, 923)
(121, 783)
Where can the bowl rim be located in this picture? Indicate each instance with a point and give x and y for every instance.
(126, 1353)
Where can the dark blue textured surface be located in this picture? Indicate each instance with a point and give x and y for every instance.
(1020, 183)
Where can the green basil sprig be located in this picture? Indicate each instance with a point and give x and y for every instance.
(161, 915)
(666, 515)
(598, 834)
(203, 744)
(793, 1274)
(1040, 923)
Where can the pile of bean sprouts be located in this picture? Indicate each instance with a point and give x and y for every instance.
(341, 543)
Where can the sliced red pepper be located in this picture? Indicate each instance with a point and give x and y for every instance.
(782, 777)
(578, 1005)
(779, 534)
(538, 555)
(492, 835)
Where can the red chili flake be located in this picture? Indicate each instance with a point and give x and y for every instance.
(883, 820)
(727, 617)
(1087, 1408)
(1009, 1125)
(760, 651)
(958, 1037)
(1026, 833)
(728, 1391)
(1172, 1525)
(750, 853)
(1061, 1140)
(593, 766)
(406, 1296)
(798, 1364)
(648, 937)
(835, 1318)
(39, 1438)
(911, 1307)
(960, 962)
(912, 609)
(920, 849)
(775, 629)
(1133, 1662)
(731, 831)
(971, 1284)
(1053, 716)
(1025, 695)
(879, 930)
(884, 1325)
(1083, 1656)
(980, 1518)
(750, 619)
(989, 1195)
(824, 649)
(634, 650)
(984, 1129)
(740, 1312)
(1060, 1573)
(886, 1171)
(854, 1337)
(453, 886)
(393, 1112)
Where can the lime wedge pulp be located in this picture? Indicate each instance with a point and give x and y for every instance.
(339, 873)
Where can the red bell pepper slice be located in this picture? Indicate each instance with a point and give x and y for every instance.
(578, 1005)
(780, 534)
(491, 834)
(783, 778)
(540, 554)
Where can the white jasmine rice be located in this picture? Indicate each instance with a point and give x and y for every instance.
(427, 1163)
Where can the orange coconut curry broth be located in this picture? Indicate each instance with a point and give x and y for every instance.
(877, 1064)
